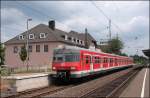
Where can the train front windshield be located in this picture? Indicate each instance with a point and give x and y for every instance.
(66, 57)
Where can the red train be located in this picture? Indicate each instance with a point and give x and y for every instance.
(74, 62)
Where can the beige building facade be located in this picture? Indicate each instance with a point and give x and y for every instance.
(43, 40)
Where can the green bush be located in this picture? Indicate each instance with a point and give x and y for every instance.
(4, 71)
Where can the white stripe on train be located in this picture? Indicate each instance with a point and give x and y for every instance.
(96, 70)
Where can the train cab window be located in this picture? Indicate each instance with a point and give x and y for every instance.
(59, 58)
(54, 58)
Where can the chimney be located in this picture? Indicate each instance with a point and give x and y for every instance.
(52, 24)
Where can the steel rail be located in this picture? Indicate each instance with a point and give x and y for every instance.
(112, 92)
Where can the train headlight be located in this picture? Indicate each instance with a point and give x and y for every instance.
(53, 68)
(73, 68)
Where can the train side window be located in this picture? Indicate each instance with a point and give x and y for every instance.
(105, 60)
(101, 60)
(98, 60)
(87, 60)
(95, 60)
(109, 60)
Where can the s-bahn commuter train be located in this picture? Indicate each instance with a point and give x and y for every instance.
(73, 62)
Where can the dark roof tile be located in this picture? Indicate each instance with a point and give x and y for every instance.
(51, 35)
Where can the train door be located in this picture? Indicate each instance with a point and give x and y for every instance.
(91, 63)
(101, 62)
(86, 62)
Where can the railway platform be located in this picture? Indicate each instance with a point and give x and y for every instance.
(139, 86)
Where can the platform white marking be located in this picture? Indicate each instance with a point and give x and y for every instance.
(143, 87)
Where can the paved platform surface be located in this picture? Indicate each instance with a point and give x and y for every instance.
(139, 86)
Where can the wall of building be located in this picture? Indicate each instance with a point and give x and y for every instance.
(35, 58)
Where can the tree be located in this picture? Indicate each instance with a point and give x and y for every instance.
(23, 54)
(139, 59)
(2, 54)
(123, 54)
(114, 46)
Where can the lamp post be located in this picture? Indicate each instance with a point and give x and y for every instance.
(27, 47)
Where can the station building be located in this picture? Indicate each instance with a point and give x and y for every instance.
(42, 41)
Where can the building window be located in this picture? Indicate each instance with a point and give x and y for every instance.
(31, 36)
(72, 39)
(45, 48)
(81, 42)
(37, 48)
(63, 36)
(15, 49)
(69, 38)
(21, 37)
(30, 48)
(78, 41)
(42, 35)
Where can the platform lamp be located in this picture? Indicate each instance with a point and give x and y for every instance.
(27, 47)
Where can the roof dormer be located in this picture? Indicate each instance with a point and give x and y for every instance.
(21, 37)
(42, 35)
(31, 36)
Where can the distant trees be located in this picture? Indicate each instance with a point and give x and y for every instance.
(2, 54)
(23, 54)
(139, 59)
(114, 46)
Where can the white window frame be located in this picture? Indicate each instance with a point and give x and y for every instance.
(30, 36)
(43, 36)
(72, 38)
(83, 43)
(21, 37)
(76, 40)
(66, 37)
(80, 41)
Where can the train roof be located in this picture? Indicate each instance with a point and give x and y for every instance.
(92, 50)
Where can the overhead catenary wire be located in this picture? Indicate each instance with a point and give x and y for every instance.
(41, 13)
(108, 18)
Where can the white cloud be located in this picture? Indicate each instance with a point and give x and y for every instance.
(131, 17)
(11, 15)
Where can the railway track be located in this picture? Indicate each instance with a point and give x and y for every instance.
(38, 92)
(41, 93)
(109, 89)
(113, 88)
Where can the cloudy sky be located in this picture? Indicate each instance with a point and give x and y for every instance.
(130, 19)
